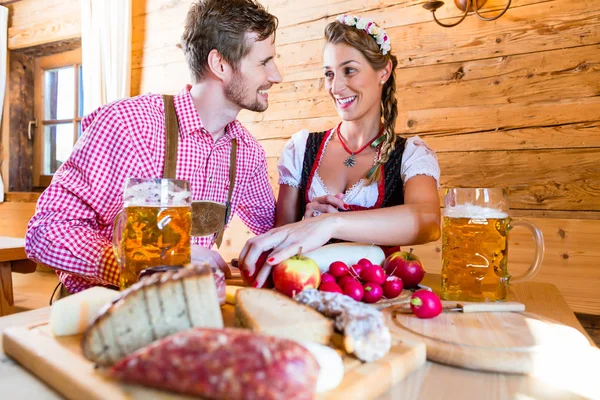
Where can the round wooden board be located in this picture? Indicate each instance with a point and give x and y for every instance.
(490, 341)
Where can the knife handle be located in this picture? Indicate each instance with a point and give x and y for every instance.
(510, 306)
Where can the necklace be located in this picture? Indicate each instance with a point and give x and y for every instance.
(351, 160)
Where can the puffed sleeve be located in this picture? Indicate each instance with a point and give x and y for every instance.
(419, 159)
(292, 157)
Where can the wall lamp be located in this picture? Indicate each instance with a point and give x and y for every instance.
(465, 6)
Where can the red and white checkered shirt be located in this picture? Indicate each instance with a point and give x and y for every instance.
(71, 230)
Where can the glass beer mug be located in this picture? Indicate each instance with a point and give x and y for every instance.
(153, 228)
(475, 245)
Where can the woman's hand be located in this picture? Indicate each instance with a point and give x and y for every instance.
(325, 204)
(286, 242)
(203, 255)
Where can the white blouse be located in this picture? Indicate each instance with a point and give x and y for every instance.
(417, 159)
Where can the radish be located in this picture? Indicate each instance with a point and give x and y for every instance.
(425, 304)
(327, 277)
(330, 287)
(373, 293)
(364, 262)
(345, 279)
(354, 290)
(349, 253)
(373, 274)
(338, 269)
(356, 270)
(392, 287)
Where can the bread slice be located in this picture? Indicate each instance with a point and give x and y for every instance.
(157, 306)
(272, 313)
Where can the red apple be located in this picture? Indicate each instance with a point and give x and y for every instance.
(295, 274)
(406, 266)
(249, 280)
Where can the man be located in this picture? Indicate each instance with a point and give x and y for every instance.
(229, 47)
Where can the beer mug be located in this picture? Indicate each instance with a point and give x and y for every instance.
(153, 228)
(475, 245)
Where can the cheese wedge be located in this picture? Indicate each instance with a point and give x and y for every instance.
(72, 315)
(271, 313)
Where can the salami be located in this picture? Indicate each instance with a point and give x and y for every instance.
(223, 363)
(365, 333)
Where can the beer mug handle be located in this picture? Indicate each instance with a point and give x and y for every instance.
(118, 226)
(538, 239)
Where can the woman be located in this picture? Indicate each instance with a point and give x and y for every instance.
(359, 165)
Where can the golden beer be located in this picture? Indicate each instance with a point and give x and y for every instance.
(153, 228)
(154, 236)
(474, 258)
(475, 245)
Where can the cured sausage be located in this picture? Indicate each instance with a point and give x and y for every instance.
(223, 363)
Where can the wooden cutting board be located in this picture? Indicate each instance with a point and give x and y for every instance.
(58, 361)
(491, 341)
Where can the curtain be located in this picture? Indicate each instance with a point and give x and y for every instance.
(105, 51)
(3, 67)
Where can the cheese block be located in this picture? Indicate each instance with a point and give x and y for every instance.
(154, 307)
(73, 314)
(269, 312)
(230, 291)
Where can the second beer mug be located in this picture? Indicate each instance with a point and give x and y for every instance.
(475, 245)
(153, 228)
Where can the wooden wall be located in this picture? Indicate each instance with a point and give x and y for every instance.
(515, 102)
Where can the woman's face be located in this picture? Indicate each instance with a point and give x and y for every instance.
(354, 86)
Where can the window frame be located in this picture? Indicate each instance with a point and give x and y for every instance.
(71, 58)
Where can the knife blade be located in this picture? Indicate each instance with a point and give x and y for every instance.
(449, 306)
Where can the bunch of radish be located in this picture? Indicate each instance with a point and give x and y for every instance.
(362, 281)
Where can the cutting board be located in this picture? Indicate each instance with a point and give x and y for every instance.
(58, 361)
(491, 341)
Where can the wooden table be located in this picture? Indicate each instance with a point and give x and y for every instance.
(433, 381)
(12, 259)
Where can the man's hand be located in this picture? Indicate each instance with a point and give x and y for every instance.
(203, 255)
(325, 204)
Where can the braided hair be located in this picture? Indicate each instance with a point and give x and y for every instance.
(336, 33)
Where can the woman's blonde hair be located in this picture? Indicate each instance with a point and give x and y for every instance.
(336, 33)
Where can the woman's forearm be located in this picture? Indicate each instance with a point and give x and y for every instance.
(403, 225)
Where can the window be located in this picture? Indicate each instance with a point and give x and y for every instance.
(59, 108)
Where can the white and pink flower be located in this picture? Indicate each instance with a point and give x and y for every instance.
(379, 34)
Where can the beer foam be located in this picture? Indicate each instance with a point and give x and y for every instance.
(473, 211)
(150, 193)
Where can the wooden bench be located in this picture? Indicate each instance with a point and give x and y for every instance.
(14, 216)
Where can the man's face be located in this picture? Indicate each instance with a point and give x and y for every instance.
(257, 72)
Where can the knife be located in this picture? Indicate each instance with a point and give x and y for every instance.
(449, 306)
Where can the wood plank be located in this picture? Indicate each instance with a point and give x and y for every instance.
(22, 197)
(578, 135)
(451, 119)
(591, 324)
(33, 23)
(14, 217)
(20, 88)
(533, 28)
(549, 76)
(7, 301)
(534, 179)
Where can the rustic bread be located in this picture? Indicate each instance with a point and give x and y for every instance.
(269, 312)
(156, 306)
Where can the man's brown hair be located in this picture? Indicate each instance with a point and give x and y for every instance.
(222, 25)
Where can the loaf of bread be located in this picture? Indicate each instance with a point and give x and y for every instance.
(156, 306)
(223, 364)
(365, 333)
(272, 313)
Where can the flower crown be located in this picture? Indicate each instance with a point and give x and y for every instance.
(383, 40)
